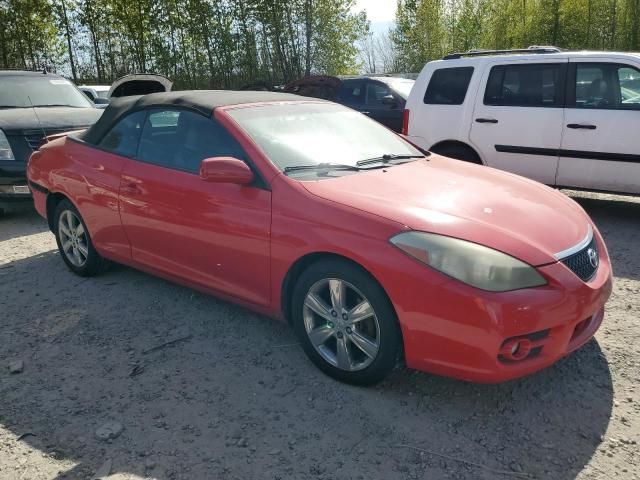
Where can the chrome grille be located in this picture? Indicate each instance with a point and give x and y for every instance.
(35, 138)
(34, 141)
(582, 263)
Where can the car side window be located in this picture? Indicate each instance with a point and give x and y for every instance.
(181, 139)
(352, 93)
(124, 136)
(376, 92)
(529, 85)
(448, 86)
(607, 86)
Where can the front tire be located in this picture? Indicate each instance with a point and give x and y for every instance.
(74, 241)
(345, 322)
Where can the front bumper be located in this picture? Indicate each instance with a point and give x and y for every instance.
(14, 190)
(14, 195)
(458, 331)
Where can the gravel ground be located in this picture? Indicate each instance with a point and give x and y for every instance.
(235, 398)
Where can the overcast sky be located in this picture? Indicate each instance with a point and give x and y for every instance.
(377, 10)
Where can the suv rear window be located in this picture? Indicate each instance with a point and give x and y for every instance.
(448, 86)
(530, 85)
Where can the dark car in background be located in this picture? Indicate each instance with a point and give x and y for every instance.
(34, 105)
(380, 97)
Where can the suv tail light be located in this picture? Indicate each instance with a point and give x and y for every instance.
(405, 122)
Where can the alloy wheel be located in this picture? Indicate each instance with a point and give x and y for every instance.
(341, 324)
(73, 238)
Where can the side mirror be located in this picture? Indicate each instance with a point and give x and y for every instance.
(389, 100)
(225, 170)
(101, 101)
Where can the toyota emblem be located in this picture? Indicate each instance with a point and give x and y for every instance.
(593, 257)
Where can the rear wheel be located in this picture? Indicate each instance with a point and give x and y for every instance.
(457, 151)
(74, 241)
(345, 322)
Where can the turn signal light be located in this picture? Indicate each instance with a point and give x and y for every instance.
(405, 122)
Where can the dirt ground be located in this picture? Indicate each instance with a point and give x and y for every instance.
(235, 398)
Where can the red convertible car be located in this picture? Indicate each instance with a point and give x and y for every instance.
(309, 211)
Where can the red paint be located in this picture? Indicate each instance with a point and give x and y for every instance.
(239, 242)
(226, 170)
(405, 121)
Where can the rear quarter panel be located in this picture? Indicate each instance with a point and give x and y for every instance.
(90, 179)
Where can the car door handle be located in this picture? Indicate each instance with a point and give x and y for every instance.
(584, 126)
(366, 113)
(486, 120)
(131, 188)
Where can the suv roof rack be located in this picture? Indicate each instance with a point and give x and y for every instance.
(479, 53)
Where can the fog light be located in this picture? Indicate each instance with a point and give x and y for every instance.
(523, 347)
(516, 349)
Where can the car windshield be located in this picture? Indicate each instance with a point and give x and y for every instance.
(402, 86)
(318, 133)
(39, 91)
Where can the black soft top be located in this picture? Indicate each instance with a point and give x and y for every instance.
(201, 101)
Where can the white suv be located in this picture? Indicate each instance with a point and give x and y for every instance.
(569, 119)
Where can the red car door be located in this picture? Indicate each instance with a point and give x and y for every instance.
(212, 234)
(96, 181)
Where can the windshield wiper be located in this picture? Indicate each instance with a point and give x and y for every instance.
(386, 158)
(322, 166)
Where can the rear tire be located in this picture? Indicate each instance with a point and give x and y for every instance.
(74, 241)
(458, 152)
(345, 322)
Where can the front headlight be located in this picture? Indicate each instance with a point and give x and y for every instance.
(476, 265)
(5, 149)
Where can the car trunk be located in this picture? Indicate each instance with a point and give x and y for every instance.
(139, 84)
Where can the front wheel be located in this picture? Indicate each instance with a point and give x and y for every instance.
(345, 322)
(74, 242)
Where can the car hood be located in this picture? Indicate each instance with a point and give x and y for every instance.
(15, 120)
(506, 212)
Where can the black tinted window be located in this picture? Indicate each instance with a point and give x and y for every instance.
(124, 135)
(88, 94)
(607, 86)
(352, 92)
(532, 85)
(448, 86)
(376, 92)
(182, 139)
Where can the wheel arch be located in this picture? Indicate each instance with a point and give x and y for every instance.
(299, 266)
(302, 263)
(53, 199)
(294, 272)
(458, 144)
